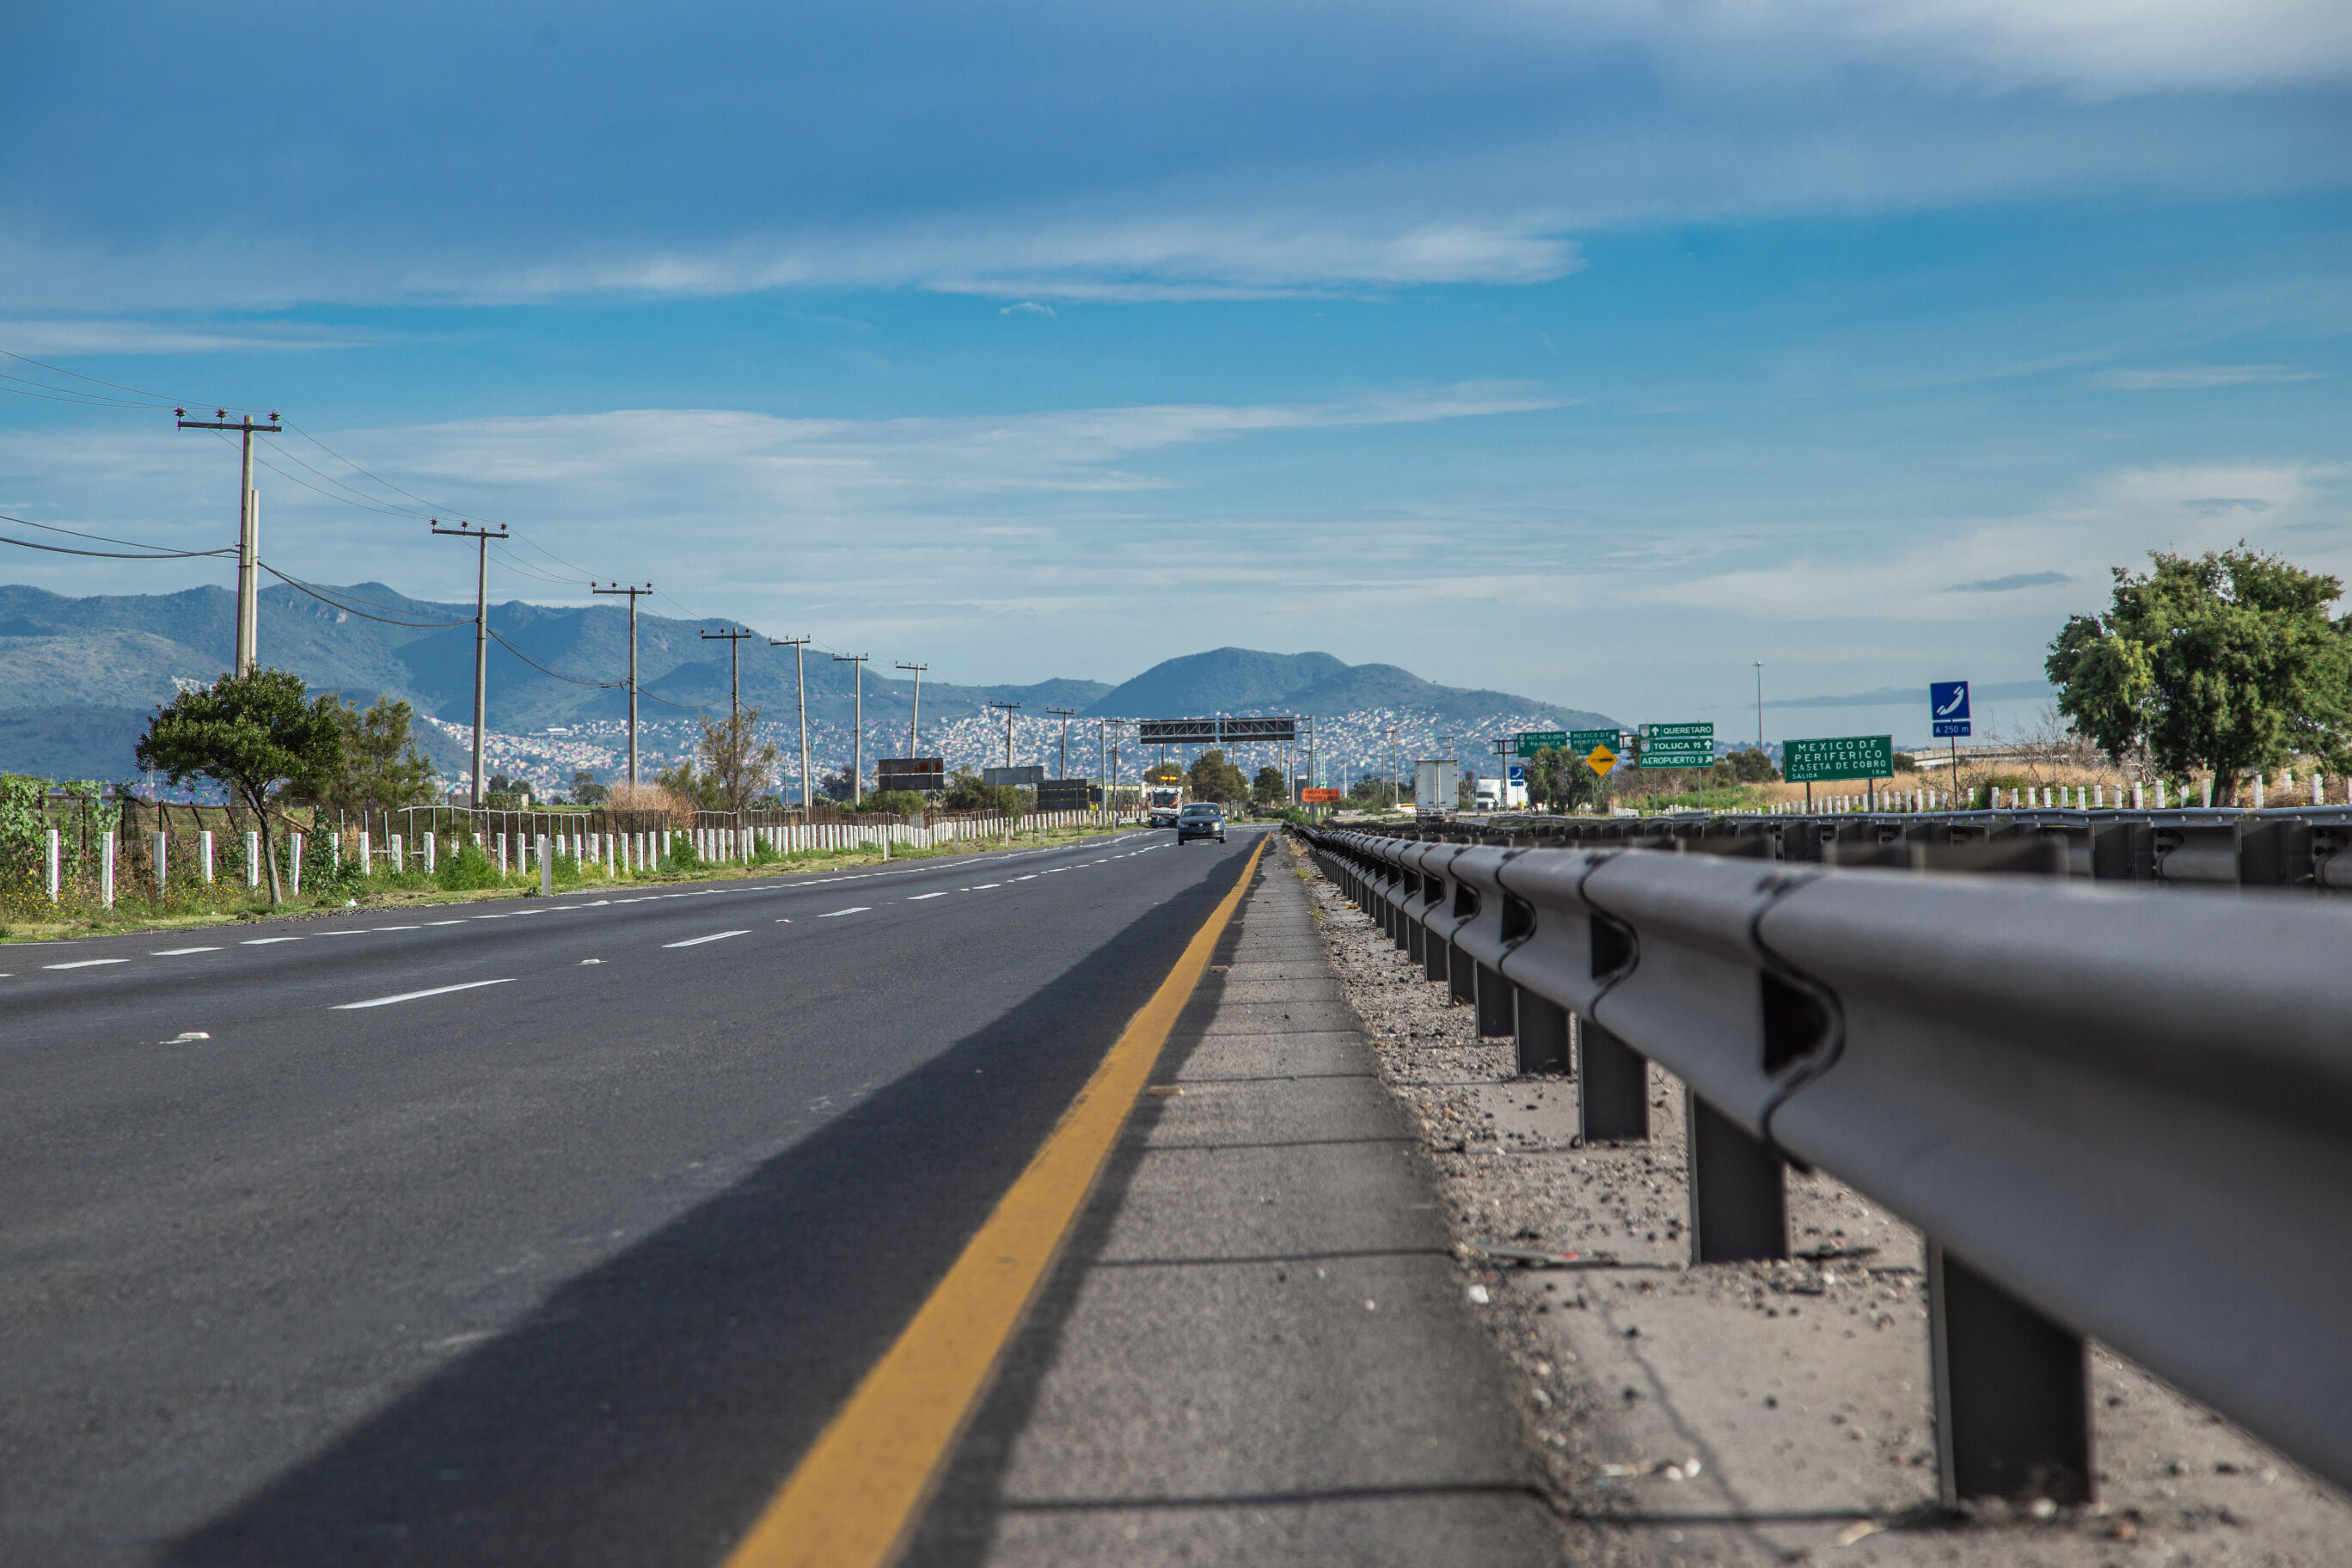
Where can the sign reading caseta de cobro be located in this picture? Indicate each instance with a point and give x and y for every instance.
(1839, 757)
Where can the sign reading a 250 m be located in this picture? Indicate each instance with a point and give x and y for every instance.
(1948, 707)
(1677, 746)
(1839, 757)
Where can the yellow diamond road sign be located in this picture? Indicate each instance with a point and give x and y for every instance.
(1600, 759)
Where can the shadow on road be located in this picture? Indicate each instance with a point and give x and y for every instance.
(647, 1411)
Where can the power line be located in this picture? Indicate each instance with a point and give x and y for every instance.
(159, 399)
(296, 582)
(112, 554)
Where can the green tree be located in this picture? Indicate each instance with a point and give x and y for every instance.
(585, 789)
(378, 766)
(683, 782)
(1746, 767)
(736, 762)
(1210, 777)
(2228, 662)
(252, 734)
(1371, 793)
(967, 792)
(1269, 788)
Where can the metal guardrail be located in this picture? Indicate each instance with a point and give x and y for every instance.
(2286, 847)
(2113, 1112)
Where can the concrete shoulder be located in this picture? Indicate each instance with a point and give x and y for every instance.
(1259, 1348)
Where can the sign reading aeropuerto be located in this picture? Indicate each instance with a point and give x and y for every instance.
(1677, 746)
(1838, 757)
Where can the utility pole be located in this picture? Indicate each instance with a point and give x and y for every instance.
(734, 641)
(915, 717)
(634, 593)
(249, 530)
(1010, 709)
(481, 538)
(800, 679)
(1760, 707)
(1064, 714)
(857, 741)
(1395, 795)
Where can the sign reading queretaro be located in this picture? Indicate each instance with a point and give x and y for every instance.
(1534, 741)
(1597, 747)
(1840, 757)
(1677, 746)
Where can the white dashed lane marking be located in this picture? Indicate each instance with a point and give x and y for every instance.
(699, 940)
(85, 964)
(413, 995)
(181, 952)
(853, 909)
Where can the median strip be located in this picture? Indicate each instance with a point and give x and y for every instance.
(414, 996)
(856, 1495)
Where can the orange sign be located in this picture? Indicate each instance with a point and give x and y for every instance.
(1319, 796)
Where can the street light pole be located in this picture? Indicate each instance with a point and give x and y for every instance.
(857, 741)
(914, 718)
(1760, 707)
(1064, 714)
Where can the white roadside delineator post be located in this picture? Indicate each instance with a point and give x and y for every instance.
(56, 863)
(252, 858)
(294, 872)
(160, 846)
(546, 867)
(204, 855)
(432, 855)
(106, 870)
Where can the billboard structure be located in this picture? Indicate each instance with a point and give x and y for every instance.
(1027, 776)
(922, 774)
(1067, 794)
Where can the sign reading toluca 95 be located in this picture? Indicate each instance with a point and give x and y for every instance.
(1677, 746)
(1841, 757)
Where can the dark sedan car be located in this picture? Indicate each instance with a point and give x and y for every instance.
(1201, 820)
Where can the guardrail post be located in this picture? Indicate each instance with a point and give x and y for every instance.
(1543, 1034)
(1497, 1010)
(1739, 1189)
(2012, 1391)
(1613, 1088)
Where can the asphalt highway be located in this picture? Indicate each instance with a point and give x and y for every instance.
(548, 1231)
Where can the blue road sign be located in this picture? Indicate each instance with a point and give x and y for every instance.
(1518, 773)
(1947, 705)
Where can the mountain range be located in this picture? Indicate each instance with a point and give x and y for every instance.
(79, 677)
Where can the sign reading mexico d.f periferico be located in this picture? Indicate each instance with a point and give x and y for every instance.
(1838, 757)
(1948, 707)
(1677, 745)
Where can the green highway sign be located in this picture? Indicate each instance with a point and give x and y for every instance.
(1840, 757)
(1534, 741)
(1677, 746)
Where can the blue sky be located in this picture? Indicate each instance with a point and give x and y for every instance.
(1593, 352)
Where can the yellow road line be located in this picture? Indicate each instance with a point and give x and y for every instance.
(857, 1492)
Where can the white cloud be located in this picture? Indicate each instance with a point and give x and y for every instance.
(2197, 377)
(55, 336)
(1028, 307)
